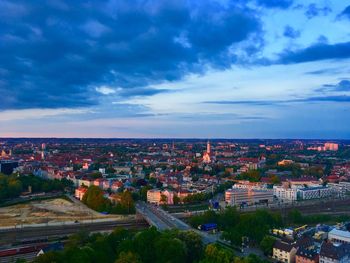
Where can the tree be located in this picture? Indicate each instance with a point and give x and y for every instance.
(266, 244)
(170, 250)
(274, 179)
(128, 257)
(207, 217)
(144, 244)
(193, 243)
(252, 176)
(295, 216)
(127, 201)
(176, 200)
(215, 254)
(252, 258)
(143, 192)
(50, 257)
(163, 199)
(94, 198)
(77, 239)
(229, 217)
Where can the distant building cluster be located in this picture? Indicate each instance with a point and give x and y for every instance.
(328, 146)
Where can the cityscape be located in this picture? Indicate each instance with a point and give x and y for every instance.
(267, 200)
(177, 131)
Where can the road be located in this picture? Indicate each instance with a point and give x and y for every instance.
(162, 220)
(158, 218)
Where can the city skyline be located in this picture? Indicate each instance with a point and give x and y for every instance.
(175, 69)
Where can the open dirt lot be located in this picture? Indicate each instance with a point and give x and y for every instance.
(53, 210)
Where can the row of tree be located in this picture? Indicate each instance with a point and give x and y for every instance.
(239, 226)
(95, 199)
(148, 246)
(12, 186)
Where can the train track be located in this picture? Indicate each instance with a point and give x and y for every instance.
(339, 207)
(15, 235)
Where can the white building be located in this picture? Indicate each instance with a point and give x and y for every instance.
(285, 194)
(339, 236)
(318, 192)
(239, 196)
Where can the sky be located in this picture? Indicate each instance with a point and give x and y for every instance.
(175, 68)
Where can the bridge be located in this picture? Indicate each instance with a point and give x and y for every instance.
(162, 220)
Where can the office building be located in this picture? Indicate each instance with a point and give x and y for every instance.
(245, 196)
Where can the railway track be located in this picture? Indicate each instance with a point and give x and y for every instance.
(339, 207)
(15, 235)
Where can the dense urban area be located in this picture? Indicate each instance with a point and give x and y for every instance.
(163, 200)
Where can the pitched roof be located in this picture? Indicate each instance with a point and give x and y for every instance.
(334, 251)
(284, 246)
(307, 253)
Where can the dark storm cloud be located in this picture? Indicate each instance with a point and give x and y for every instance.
(283, 4)
(320, 51)
(55, 53)
(290, 32)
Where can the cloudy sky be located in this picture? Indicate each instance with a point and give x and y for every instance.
(175, 68)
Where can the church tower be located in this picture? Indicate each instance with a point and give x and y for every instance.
(208, 147)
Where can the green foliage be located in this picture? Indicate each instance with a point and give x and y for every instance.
(125, 205)
(94, 199)
(266, 244)
(251, 176)
(228, 218)
(176, 200)
(95, 175)
(215, 254)
(143, 192)
(12, 186)
(250, 259)
(147, 246)
(196, 198)
(223, 187)
(193, 243)
(253, 225)
(170, 249)
(128, 257)
(235, 225)
(274, 179)
(50, 257)
(207, 217)
(295, 217)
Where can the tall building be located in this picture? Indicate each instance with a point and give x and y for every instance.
(206, 155)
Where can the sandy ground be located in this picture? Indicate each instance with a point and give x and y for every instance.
(53, 210)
